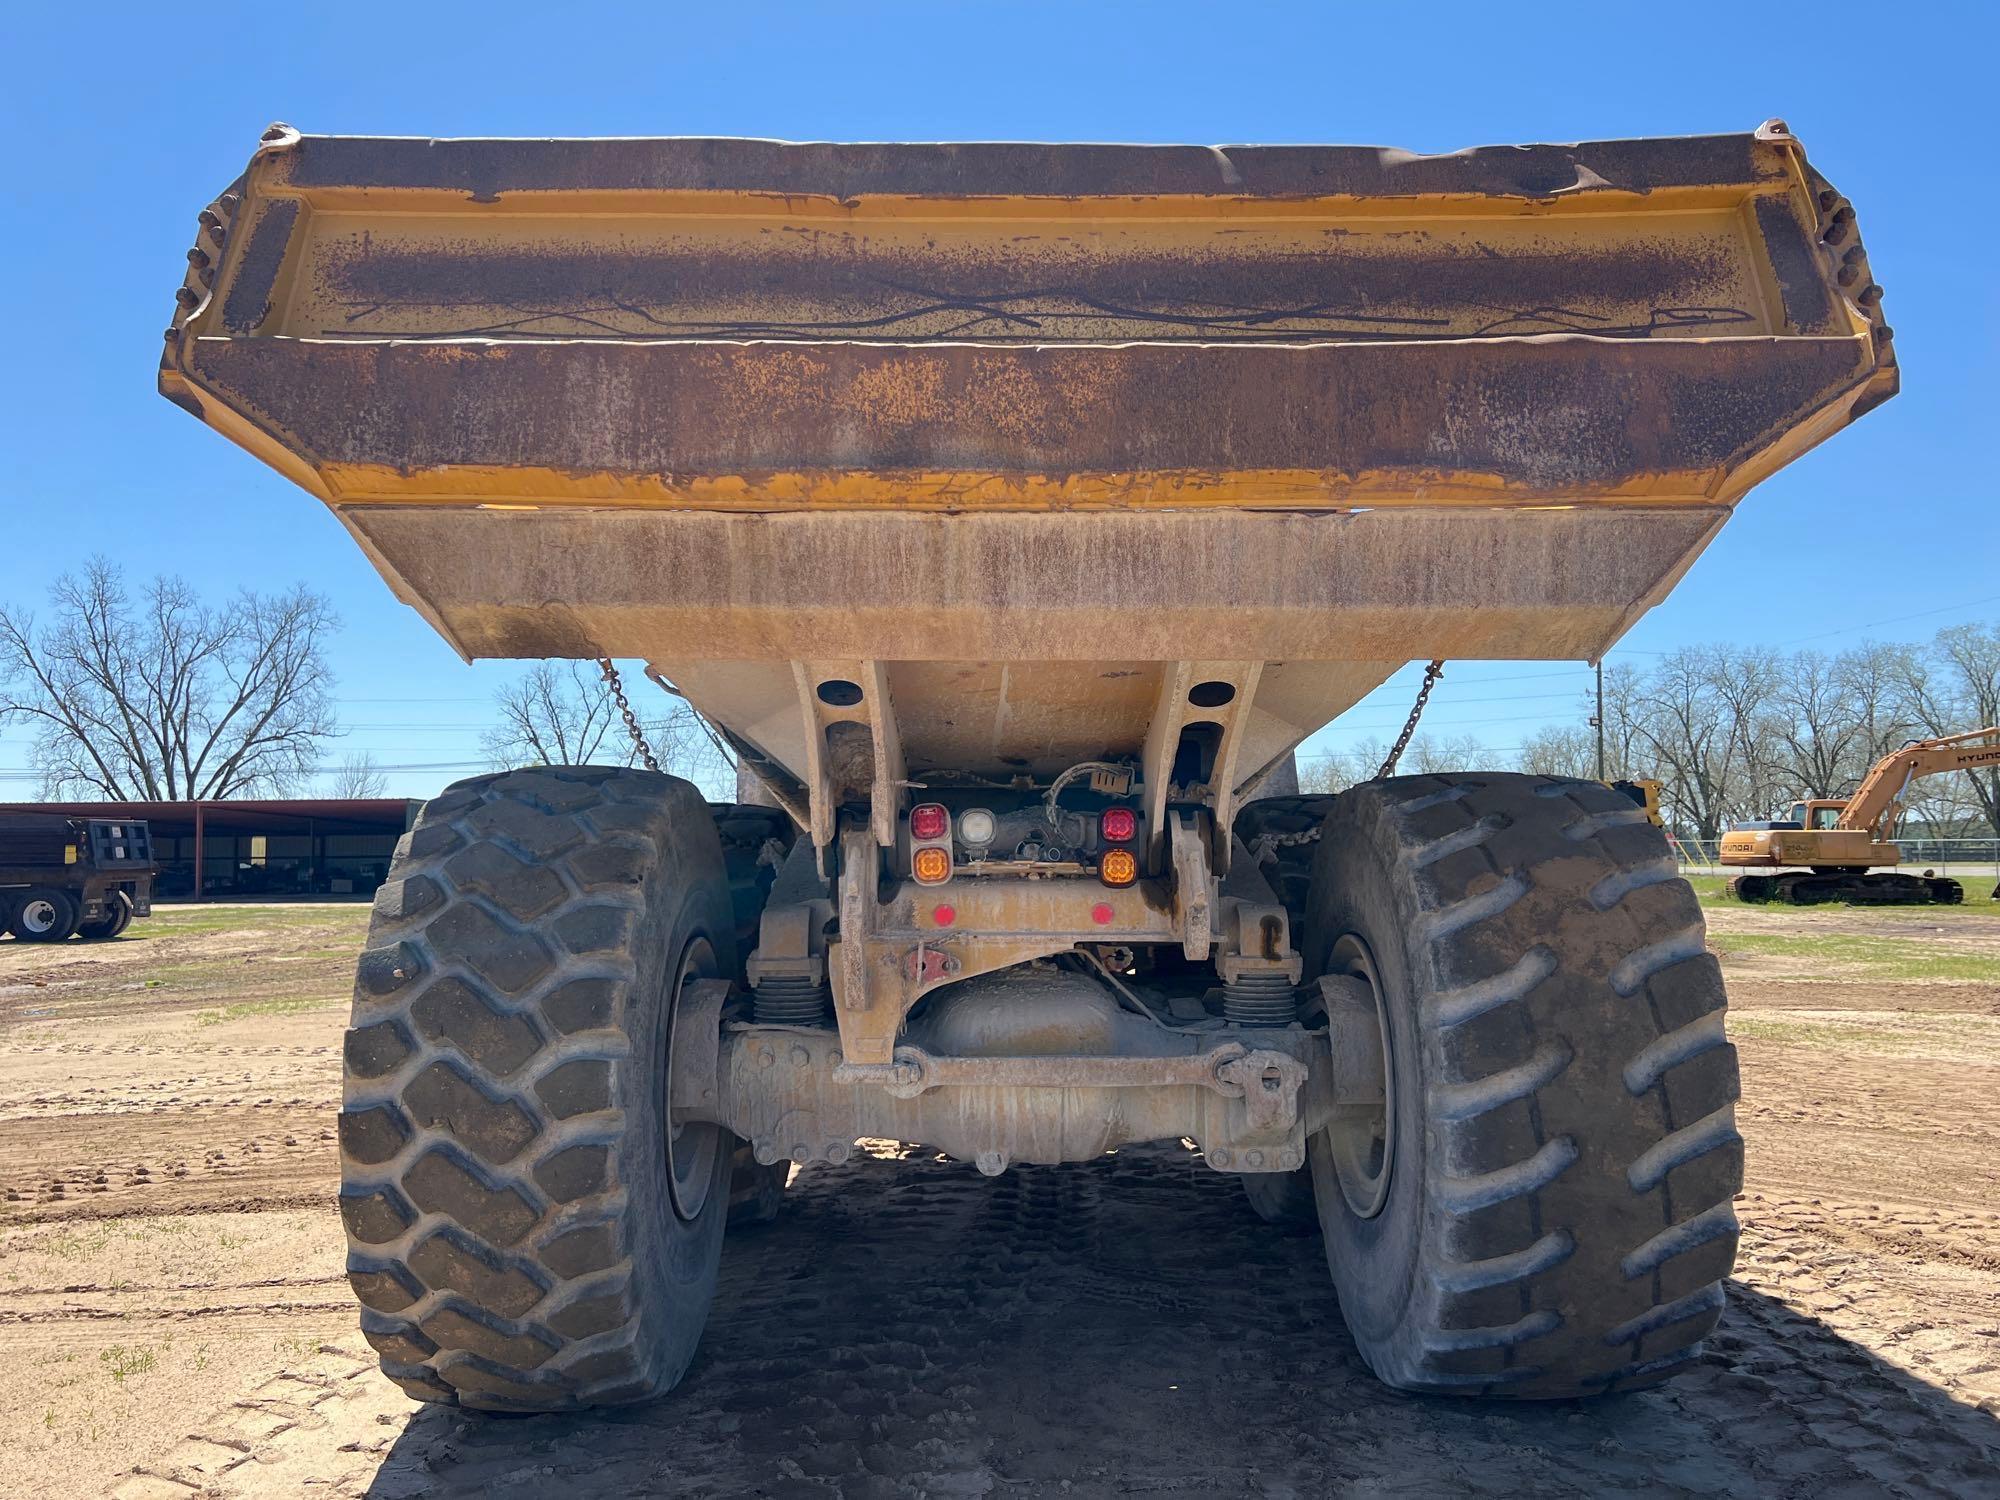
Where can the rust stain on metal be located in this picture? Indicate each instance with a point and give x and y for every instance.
(1540, 420)
(1808, 307)
(1085, 286)
(484, 170)
(256, 272)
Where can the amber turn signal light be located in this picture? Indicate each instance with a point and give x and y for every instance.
(1118, 867)
(931, 866)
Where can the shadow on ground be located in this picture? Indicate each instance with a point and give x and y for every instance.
(1128, 1327)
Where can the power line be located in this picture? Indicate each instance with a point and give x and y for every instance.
(16, 774)
(1343, 723)
(1483, 750)
(1503, 698)
(1394, 683)
(1922, 614)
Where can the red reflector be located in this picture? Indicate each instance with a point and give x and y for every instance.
(1102, 914)
(1118, 825)
(944, 916)
(929, 822)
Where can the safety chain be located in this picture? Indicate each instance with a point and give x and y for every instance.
(1431, 674)
(1264, 848)
(1287, 840)
(617, 686)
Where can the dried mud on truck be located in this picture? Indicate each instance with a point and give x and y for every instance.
(1014, 511)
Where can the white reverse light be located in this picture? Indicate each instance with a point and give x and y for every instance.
(976, 827)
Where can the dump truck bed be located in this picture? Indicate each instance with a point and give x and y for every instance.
(1028, 424)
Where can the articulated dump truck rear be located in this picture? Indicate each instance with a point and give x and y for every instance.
(1014, 511)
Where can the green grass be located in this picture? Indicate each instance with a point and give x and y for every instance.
(1811, 1031)
(1874, 957)
(284, 1005)
(195, 920)
(77, 1244)
(120, 1362)
(196, 973)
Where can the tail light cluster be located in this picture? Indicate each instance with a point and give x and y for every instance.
(1118, 865)
(930, 844)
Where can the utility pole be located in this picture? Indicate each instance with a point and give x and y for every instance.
(1597, 719)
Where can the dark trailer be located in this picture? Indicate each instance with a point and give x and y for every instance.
(262, 848)
(66, 876)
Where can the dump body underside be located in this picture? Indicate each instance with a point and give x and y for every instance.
(1016, 431)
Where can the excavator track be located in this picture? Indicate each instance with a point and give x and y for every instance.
(1888, 888)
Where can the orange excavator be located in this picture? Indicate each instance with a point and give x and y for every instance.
(1840, 842)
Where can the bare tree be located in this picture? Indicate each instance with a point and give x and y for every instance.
(1684, 724)
(1427, 756)
(1560, 750)
(1319, 774)
(165, 697)
(1954, 687)
(558, 714)
(563, 714)
(1625, 754)
(358, 776)
(1871, 677)
(1335, 770)
(1811, 716)
(1742, 681)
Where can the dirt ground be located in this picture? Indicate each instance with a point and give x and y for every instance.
(174, 1321)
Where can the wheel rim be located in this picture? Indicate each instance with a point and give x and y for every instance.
(38, 915)
(1362, 1140)
(691, 1148)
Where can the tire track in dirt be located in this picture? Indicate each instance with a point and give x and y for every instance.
(1125, 1326)
(252, 1156)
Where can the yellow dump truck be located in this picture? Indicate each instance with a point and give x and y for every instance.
(1014, 511)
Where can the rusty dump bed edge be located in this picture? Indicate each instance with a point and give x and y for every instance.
(730, 405)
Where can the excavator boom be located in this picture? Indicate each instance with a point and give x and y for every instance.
(1877, 804)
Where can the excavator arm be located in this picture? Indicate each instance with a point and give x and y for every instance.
(1877, 805)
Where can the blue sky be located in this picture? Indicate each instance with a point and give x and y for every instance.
(121, 121)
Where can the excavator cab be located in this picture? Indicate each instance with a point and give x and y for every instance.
(1818, 813)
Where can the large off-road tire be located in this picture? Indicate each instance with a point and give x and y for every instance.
(1283, 1198)
(747, 832)
(756, 1189)
(117, 917)
(1545, 1206)
(524, 1230)
(44, 915)
(1282, 835)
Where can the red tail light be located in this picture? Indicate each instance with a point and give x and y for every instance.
(929, 822)
(1118, 825)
